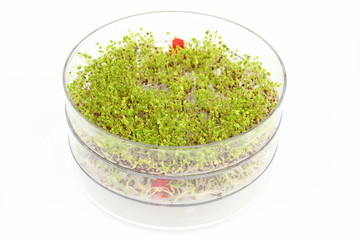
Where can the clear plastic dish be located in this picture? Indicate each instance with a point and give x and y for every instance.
(174, 190)
(175, 176)
(171, 218)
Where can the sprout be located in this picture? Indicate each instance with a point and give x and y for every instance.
(192, 92)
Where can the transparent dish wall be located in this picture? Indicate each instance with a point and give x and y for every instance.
(189, 190)
(197, 174)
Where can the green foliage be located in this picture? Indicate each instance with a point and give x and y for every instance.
(200, 94)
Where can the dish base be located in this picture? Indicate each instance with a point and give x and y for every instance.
(170, 218)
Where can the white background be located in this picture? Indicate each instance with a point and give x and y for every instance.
(314, 190)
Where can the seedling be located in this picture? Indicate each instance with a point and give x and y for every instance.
(195, 92)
